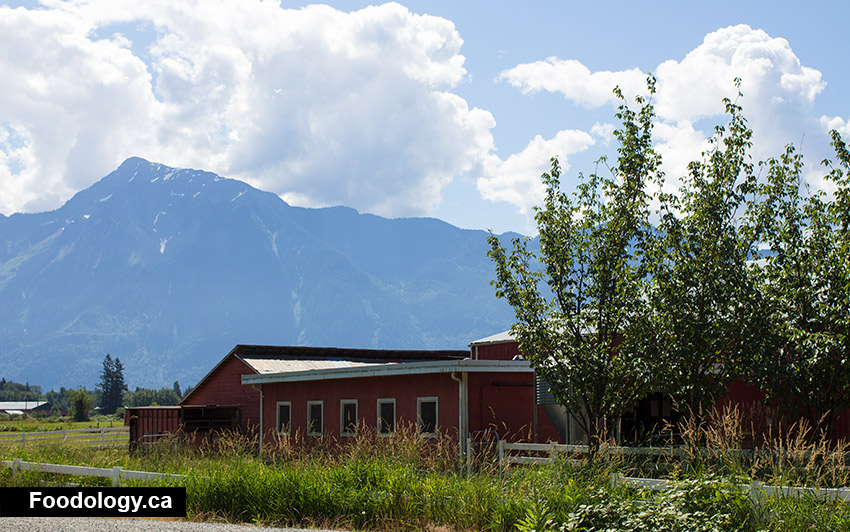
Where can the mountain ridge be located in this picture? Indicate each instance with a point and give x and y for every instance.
(168, 268)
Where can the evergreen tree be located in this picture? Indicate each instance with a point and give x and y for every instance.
(112, 385)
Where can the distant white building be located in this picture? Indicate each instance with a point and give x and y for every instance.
(20, 408)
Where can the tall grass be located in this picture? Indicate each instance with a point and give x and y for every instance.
(410, 483)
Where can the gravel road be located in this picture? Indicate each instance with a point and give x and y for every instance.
(95, 524)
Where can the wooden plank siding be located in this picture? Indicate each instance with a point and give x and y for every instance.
(223, 386)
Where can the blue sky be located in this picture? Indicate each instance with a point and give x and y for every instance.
(420, 108)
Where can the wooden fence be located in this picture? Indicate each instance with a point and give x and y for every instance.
(93, 437)
(117, 474)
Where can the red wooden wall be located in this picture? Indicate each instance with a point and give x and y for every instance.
(500, 351)
(367, 390)
(224, 387)
(146, 423)
(503, 402)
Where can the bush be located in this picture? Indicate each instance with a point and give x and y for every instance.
(81, 404)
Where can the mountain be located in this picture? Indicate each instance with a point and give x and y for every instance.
(169, 268)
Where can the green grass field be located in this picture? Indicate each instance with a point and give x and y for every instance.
(410, 483)
(33, 424)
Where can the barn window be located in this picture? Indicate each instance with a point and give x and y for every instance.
(284, 417)
(314, 418)
(386, 416)
(348, 417)
(426, 412)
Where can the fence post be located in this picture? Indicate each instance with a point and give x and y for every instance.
(755, 491)
(617, 479)
(553, 451)
(469, 456)
(23, 440)
(116, 476)
(102, 438)
(16, 467)
(501, 447)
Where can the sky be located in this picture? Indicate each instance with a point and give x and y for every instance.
(450, 109)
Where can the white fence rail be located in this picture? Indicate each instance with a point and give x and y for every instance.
(117, 474)
(94, 437)
(757, 491)
(546, 452)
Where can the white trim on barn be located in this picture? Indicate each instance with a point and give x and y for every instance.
(427, 428)
(394, 368)
(386, 369)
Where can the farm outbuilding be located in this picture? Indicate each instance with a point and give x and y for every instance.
(486, 392)
(489, 391)
(24, 407)
(150, 423)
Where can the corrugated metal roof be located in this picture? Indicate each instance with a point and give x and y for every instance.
(268, 359)
(21, 405)
(276, 365)
(388, 369)
(506, 336)
(498, 338)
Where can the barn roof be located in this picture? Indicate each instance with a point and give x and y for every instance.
(277, 360)
(272, 352)
(21, 406)
(386, 369)
(277, 365)
(498, 338)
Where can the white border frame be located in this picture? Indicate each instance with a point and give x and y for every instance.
(322, 424)
(385, 401)
(342, 403)
(277, 417)
(436, 401)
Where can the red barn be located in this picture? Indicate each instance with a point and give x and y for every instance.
(341, 390)
(485, 392)
(489, 391)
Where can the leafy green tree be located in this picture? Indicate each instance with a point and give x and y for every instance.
(112, 385)
(148, 397)
(707, 310)
(807, 280)
(15, 391)
(81, 403)
(586, 335)
(60, 399)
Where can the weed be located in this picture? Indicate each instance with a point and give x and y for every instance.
(406, 482)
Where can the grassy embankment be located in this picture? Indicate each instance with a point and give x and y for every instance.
(409, 483)
(44, 424)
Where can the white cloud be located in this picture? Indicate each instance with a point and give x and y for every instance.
(316, 104)
(778, 96)
(517, 179)
(575, 81)
(770, 72)
(70, 100)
